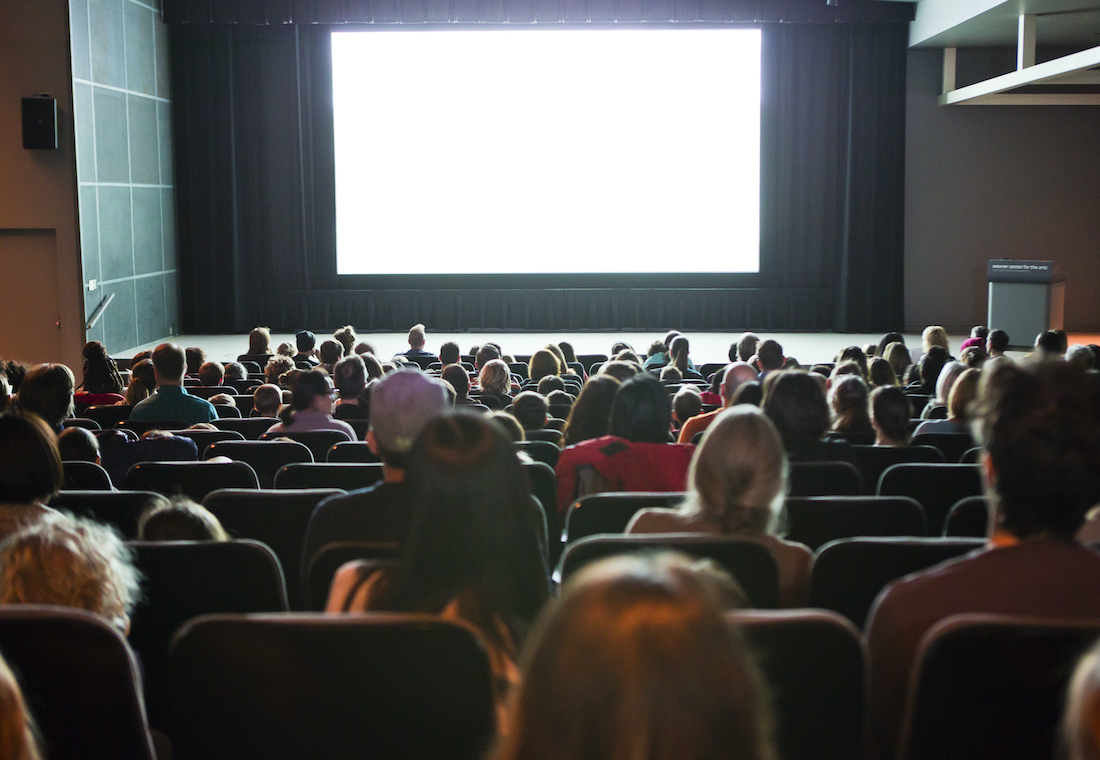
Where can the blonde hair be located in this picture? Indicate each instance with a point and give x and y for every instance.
(495, 377)
(738, 475)
(934, 335)
(16, 725)
(70, 562)
(964, 391)
(1081, 722)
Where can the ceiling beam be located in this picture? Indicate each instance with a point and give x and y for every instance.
(1050, 72)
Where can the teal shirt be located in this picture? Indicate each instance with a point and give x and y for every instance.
(173, 402)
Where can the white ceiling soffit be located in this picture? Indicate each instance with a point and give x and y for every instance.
(1069, 80)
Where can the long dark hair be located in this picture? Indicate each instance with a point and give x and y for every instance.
(100, 372)
(796, 403)
(591, 413)
(473, 535)
(641, 411)
(306, 387)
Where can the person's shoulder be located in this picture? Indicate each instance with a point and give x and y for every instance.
(659, 520)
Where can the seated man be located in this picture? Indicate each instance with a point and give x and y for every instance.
(1040, 428)
(736, 375)
(307, 348)
(401, 404)
(211, 374)
(266, 401)
(416, 344)
(172, 401)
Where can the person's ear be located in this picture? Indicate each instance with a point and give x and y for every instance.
(372, 442)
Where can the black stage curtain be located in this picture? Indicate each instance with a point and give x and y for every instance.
(254, 169)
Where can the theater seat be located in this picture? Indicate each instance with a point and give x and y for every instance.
(825, 479)
(991, 687)
(192, 479)
(80, 680)
(266, 458)
(85, 476)
(330, 686)
(936, 486)
(817, 520)
(322, 566)
(347, 477)
(120, 509)
(611, 512)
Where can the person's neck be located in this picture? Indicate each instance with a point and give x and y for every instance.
(392, 474)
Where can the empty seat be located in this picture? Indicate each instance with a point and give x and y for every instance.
(80, 681)
(276, 518)
(991, 687)
(813, 663)
(611, 512)
(266, 458)
(968, 518)
(825, 479)
(817, 520)
(120, 509)
(185, 579)
(107, 416)
(331, 686)
(191, 479)
(847, 575)
(352, 452)
(251, 427)
(227, 412)
(936, 486)
(952, 445)
(751, 564)
(204, 438)
(85, 476)
(540, 451)
(347, 477)
(318, 441)
(873, 460)
(322, 566)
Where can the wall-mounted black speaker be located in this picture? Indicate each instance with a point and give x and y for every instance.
(40, 123)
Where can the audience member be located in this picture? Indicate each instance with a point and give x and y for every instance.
(637, 661)
(311, 405)
(891, 411)
(881, 373)
(179, 519)
(530, 409)
(101, 376)
(686, 405)
(508, 425)
(769, 357)
(751, 393)
(934, 335)
(1081, 357)
(670, 374)
(47, 391)
(76, 444)
(898, 355)
(848, 399)
(737, 483)
(475, 549)
(978, 336)
(661, 357)
(635, 456)
(402, 404)
(886, 340)
(195, 357)
(449, 353)
(266, 400)
(277, 367)
(350, 378)
(172, 401)
(286, 349)
(568, 353)
(1040, 427)
(931, 363)
(973, 357)
(235, 371)
(417, 339)
(678, 357)
(1080, 735)
(30, 470)
(620, 370)
(854, 354)
(736, 375)
(746, 348)
(17, 734)
(937, 406)
(544, 362)
(346, 337)
(331, 352)
(211, 374)
(306, 342)
(119, 453)
(796, 404)
(456, 376)
(964, 392)
(496, 381)
(259, 343)
(997, 343)
(70, 562)
(590, 416)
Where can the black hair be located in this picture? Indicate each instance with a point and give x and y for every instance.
(641, 411)
(892, 410)
(303, 390)
(796, 403)
(590, 416)
(100, 371)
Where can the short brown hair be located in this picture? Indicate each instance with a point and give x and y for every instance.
(30, 466)
(169, 361)
(47, 391)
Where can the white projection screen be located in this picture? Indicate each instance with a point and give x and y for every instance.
(543, 151)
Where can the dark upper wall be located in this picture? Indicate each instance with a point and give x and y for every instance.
(124, 168)
(986, 182)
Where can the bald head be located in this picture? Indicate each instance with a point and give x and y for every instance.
(736, 375)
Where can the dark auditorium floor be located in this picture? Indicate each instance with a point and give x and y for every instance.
(806, 347)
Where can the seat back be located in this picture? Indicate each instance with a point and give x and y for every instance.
(991, 686)
(185, 579)
(141, 427)
(82, 422)
(968, 518)
(540, 451)
(352, 452)
(611, 512)
(544, 486)
(107, 416)
(192, 479)
(121, 509)
(80, 682)
(817, 520)
(322, 566)
(275, 518)
(751, 564)
(347, 477)
(873, 460)
(85, 476)
(318, 441)
(204, 438)
(848, 574)
(251, 427)
(330, 686)
(266, 458)
(952, 445)
(825, 479)
(548, 435)
(936, 486)
(813, 662)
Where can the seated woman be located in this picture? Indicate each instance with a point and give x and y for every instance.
(737, 483)
(678, 357)
(70, 562)
(964, 392)
(848, 398)
(637, 661)
(636, 455)
(17, 740)
(30, 470)
(179, 520)
(102, 383)
(495, 384)
(891, 411)
(311, 403)
(936, 409)
(475, 548)
(795, 402)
